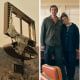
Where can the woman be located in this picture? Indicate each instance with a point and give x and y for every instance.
(70, 41)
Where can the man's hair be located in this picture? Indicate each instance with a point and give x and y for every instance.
(54, 6)
(64, 15)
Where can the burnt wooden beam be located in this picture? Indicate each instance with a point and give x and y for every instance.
(20, 26)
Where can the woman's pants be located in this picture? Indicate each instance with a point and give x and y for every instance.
(70, 59)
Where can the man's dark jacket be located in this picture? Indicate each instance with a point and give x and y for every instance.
(50, 32)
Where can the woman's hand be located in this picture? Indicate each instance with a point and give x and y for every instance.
(42, 48)
(77, 50)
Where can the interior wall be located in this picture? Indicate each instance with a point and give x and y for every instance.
(60, 1)
(26, 6)
(71, 7)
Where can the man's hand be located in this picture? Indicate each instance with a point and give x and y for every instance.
(42, 48)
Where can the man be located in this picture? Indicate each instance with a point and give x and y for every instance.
(51, 39)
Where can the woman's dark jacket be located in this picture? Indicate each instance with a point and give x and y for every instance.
(70, 38)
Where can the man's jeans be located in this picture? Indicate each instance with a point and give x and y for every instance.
(58, 55)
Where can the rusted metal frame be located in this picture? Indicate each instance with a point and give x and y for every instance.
(20, 15)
